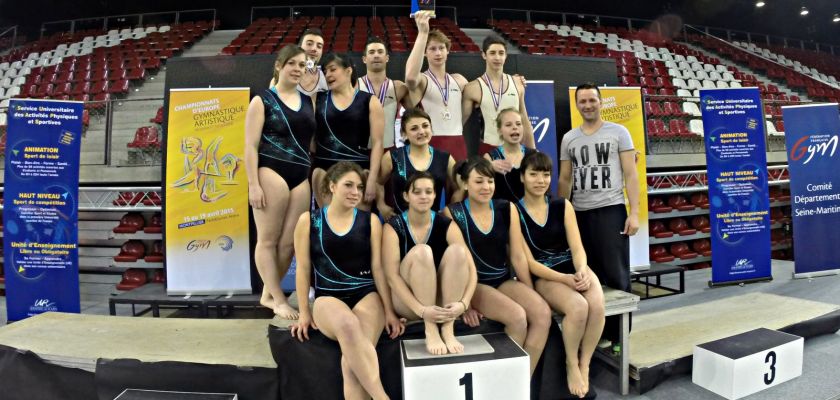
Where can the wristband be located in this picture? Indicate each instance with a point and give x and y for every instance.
(463, 304)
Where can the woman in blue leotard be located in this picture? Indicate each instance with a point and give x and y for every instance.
(557, 259)
(493, 236)
(431, 276)
(341, 244)
(278, 130)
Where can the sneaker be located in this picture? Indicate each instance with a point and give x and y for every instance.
(616, 349)
(604, 344)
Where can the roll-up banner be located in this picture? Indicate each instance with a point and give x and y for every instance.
(623, 106)
(539, 102)
(206, 199)
(736, 161)
(811, 135)
(40, 210)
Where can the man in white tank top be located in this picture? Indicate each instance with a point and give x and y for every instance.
(435, 91)
(493, 92)
(391, 93)
(313, 80)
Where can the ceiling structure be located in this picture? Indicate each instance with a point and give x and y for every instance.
(777, 17)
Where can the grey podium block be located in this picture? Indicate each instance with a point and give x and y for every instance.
(473, 345)
(139, 394)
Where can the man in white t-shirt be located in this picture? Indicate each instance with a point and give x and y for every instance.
(597, 163)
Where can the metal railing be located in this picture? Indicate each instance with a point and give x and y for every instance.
(8, 38)
(667, 25)
(333, 11)
(129, 20)
(112, 125)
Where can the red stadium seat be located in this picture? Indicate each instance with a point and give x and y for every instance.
(130, 223)
(131, 251)
(702, 247)
(680, 227)
(659, 254)
(155, 224)
(682, 251)
(679, 202)
(119, 87)
(156, 255)
(657, 205)
(145, 137)
(658, 229)
(132, 279)
(701, 223)
(700, 200)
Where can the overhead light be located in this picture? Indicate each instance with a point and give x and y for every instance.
(759, 3)
(803, 11)
(836, 18)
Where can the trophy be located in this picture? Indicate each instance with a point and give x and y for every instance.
(423, 5)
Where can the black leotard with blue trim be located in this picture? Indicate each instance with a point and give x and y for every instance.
(548, 242)
(342, 135)
(436, 237)
(286, 134)
(489, 249)
(341, 262)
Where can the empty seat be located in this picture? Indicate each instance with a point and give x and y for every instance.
(696, 126)
(691, 108)
(130, 223)
(132, 278)
(131, 251)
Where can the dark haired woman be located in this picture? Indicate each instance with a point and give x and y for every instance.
(340, 245)
(430, 274)
(278, 130)
(492, 234)
(417, 155)
(348, 121)
(556, 257)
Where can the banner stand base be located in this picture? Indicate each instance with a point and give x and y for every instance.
(816, 274)
(741, 282)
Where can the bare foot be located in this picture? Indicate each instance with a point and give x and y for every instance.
(266, 300)
(577, 386)
(434, 344)
(285, 311)
(452, 343)
(584, 373)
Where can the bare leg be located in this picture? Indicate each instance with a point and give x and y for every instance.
(269, 221)
(318, 176)
(575, 310)
(354, 332)
(417, 269)
(594, 325)
(498, 307)
(452, 275)
(538, 314)
(298, 204)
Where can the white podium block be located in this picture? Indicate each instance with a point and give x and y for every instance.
(744, 364)
(492, 367)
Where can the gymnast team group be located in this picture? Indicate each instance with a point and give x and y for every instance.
(463, 237)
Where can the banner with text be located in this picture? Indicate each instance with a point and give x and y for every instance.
(736, 162)
(623, 106)
(811, 135)
(540, 105)
(207, 192)
(40, 213)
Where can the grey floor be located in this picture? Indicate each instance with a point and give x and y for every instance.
(820, 379)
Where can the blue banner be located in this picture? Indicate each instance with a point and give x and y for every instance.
(811, 135)
(539, 101)
(40, 213)
(733, 125)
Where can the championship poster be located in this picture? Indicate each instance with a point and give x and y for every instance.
(40, 213)
(623, 106)
(206, 199)
(739, 206)
(811, 136)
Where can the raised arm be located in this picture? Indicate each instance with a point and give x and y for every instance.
(415, 81)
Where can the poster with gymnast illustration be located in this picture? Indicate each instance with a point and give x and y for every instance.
(206, 195)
